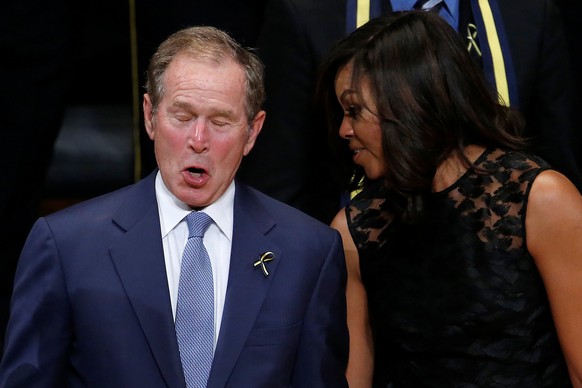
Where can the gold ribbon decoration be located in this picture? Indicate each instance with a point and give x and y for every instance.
(472, 38)
(263, 259)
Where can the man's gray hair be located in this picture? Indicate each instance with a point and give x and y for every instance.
(207, 44)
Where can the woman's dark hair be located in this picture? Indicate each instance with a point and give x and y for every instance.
(430, 96)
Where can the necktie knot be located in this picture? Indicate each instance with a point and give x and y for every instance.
(427, 4)
(198, 222)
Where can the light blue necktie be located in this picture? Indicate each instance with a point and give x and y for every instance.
(195, 310)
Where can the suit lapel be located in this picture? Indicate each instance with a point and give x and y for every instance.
(139, 260)
(247, 285)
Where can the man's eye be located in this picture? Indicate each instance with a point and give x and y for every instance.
(182, 118)
(219, 123)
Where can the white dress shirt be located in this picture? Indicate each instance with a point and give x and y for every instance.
(217, 240)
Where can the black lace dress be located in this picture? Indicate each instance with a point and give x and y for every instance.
(457, 301)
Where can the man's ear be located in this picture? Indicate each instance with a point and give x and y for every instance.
(148, 115)
(254, 131)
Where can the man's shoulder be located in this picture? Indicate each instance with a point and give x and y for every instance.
(281, 212)
(105, 204)
(299, 234)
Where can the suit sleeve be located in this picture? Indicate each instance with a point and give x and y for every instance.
(323, 349)
(552, 114)
(38, 337)
(571, 11)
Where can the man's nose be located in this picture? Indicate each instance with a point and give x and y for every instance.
(198, 138)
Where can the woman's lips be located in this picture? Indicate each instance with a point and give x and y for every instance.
(356, 152)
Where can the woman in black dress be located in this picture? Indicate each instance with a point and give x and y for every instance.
(464, 251)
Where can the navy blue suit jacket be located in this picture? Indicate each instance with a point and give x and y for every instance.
(91, 305)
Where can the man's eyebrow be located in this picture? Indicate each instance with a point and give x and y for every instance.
(227, 113)
(181, 104)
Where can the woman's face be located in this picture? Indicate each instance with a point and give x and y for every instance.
(360, 125)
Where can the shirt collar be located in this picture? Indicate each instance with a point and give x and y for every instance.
(452, 7)
(172, 210)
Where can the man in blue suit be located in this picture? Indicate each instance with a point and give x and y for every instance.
(96, 290)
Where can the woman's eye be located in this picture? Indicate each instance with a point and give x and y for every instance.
(352, 111)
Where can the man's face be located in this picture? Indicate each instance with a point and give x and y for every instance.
(201, 130)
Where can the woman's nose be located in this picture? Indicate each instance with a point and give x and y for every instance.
(345, 130)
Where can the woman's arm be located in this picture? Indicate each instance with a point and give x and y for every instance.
(361, 360)
(554, 238)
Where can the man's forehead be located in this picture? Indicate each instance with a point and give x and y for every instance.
(204, 59)
(190, 67)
